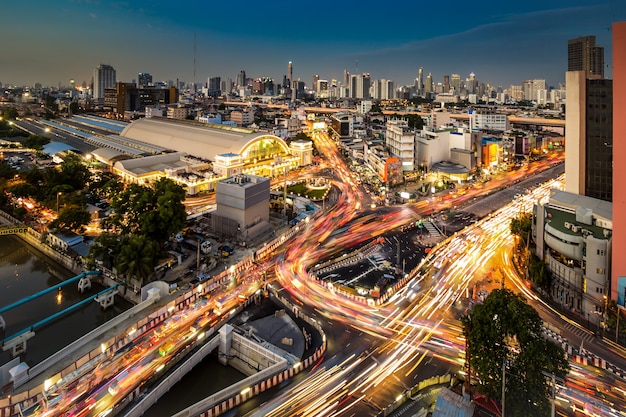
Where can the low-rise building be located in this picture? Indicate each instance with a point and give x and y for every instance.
(573, 237)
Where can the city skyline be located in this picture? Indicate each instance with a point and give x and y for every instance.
(502, 44)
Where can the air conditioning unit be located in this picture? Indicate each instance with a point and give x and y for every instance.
(585, 232)
(575, 228)
(606, 232)
(568, 225)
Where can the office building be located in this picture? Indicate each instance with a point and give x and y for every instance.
(128, 98)
(103, 78)
(314, 79)
(584, 55)
(618, 270)
(241, 79)
(419, 85)
(144, 79)
(531, 87)
(446, 83)
(455, 82)
(214, 86)
(360, 85)
(486, 120)
(589, 135)
(428, 85)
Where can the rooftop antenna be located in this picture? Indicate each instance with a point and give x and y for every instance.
(356, 63)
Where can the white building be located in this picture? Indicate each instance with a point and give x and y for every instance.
(489, 121)
(400, 140)
(573, 237)
(365, 106)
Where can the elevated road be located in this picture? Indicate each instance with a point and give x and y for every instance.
(460, 116)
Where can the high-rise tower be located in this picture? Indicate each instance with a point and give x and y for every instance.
(103, 77)
(618, 265)
(588, 123)
(420, 81)
(589, 136)
(241, 79)
(584, 55)
(290, 71)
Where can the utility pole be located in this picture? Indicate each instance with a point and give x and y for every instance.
(503, 383)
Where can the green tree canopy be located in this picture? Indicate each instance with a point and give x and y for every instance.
(156, 212)
(506, 330)
(10, 113)
(105, 184)
(36, 142)
(6, 171)
(521, 226)
(414, 120)
(103, 249)
(137, 257)
(71, 218)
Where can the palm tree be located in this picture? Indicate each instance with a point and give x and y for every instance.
(136, 258)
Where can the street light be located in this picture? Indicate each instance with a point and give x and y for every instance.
(619, 309)
(58, 194)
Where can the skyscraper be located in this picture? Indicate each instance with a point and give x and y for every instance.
(428, 86)
(314, 79)
(455, 82)
(290, 71)
(241, 79)
(103, 77)
(446, 83)
(584, 55)
(420, 81)
(589, 136)
(618, 267)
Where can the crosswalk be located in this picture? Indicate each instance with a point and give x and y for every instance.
(434, 232)
(583, 334)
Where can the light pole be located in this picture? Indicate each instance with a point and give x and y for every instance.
(619, 309)
(605, 314)
(58, 194)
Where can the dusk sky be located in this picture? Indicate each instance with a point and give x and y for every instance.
(502, 42)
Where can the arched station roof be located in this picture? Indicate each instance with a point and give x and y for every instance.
(197, 139)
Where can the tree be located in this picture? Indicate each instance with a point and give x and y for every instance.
(137, 257)
(6, 171)
(71, 218)
(505, 331)
(156, 212)
(103, 249)
(521, 226)
(105, 184)
(414, 120)
(10, 113)
(539, 273)
(168, 215)
(301, 136)
(36, 141)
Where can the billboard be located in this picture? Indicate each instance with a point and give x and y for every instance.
(621, 291)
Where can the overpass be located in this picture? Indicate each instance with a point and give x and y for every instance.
(537, 121)
(12, 230)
